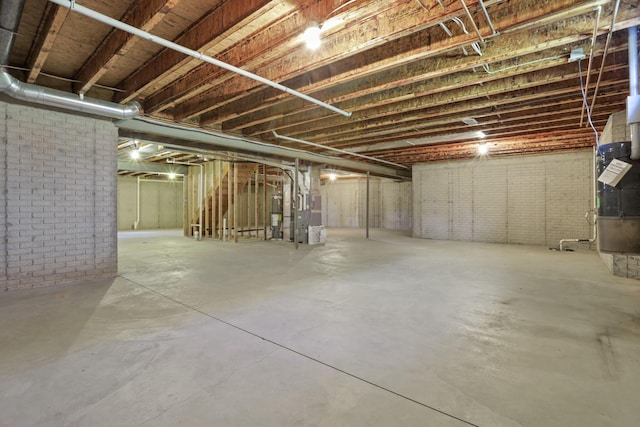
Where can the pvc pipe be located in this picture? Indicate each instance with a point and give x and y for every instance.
(72, 5)
(633, 61)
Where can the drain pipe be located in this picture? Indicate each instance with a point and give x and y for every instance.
(633, 101)
(72, 5)
(10, 12)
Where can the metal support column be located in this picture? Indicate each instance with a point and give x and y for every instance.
(367, 208)
(294, 203)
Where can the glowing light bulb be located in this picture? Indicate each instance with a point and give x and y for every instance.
(332, 177)
(312, 37)
(135, 154)
(172, 175)
(483, 149)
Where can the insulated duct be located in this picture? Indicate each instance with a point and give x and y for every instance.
(633, 101)
(10, 12)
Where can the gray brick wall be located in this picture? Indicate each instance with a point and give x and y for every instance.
(534, 200)
(59, 211)
(344, 204)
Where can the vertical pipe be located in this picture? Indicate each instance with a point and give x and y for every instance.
(367, 207)
(264, 202)
(633, 61)
(235, 203)
(294, 203)
(634, 127)
(249, 205)
(229, 194)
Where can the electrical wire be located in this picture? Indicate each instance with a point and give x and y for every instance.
(586, 103)
(66, 79)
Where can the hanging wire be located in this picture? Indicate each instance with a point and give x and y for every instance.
(586, 103)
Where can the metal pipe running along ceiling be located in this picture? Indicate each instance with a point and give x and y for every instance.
(170, 134)
(10, 11)
(72, 5)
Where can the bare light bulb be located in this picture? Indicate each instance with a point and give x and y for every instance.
(483, 149)
(312, 37)
(135, 154)
(172, 175)
(332, 177)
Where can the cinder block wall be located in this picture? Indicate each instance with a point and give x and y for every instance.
(344, 204)
(58, 210)
(533, 200)
(161, 203)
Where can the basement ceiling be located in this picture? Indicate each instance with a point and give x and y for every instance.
(422, 79)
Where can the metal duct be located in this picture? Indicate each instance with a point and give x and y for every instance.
(633, 101)
(10, 11)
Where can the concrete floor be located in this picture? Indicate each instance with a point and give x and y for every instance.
(388, 332)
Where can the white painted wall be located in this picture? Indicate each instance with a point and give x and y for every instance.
(160, 204)
(344, 204)
(533, 200)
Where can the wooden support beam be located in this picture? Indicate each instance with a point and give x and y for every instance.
(54, 17)
(217, 30)
(144, 15)
(405, 23)
(282, 37)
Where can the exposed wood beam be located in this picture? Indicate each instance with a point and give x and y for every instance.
(227, 23)
(144, 15)
(408, 26)
(284, 41)
(48, 30)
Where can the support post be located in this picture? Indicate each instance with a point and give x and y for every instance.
(367, 207)
(235, 203)
(264, 196)
(229, 194)
(219, 199)
(294, 203)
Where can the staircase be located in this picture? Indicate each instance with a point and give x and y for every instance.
(213, 216)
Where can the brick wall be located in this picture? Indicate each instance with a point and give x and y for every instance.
(58, 213)
(534, 200)
(344, 204)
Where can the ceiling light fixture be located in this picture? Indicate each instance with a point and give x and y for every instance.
(483, 149)
(172, 175)
(332, 177)
(135, 154)
(312, 36)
